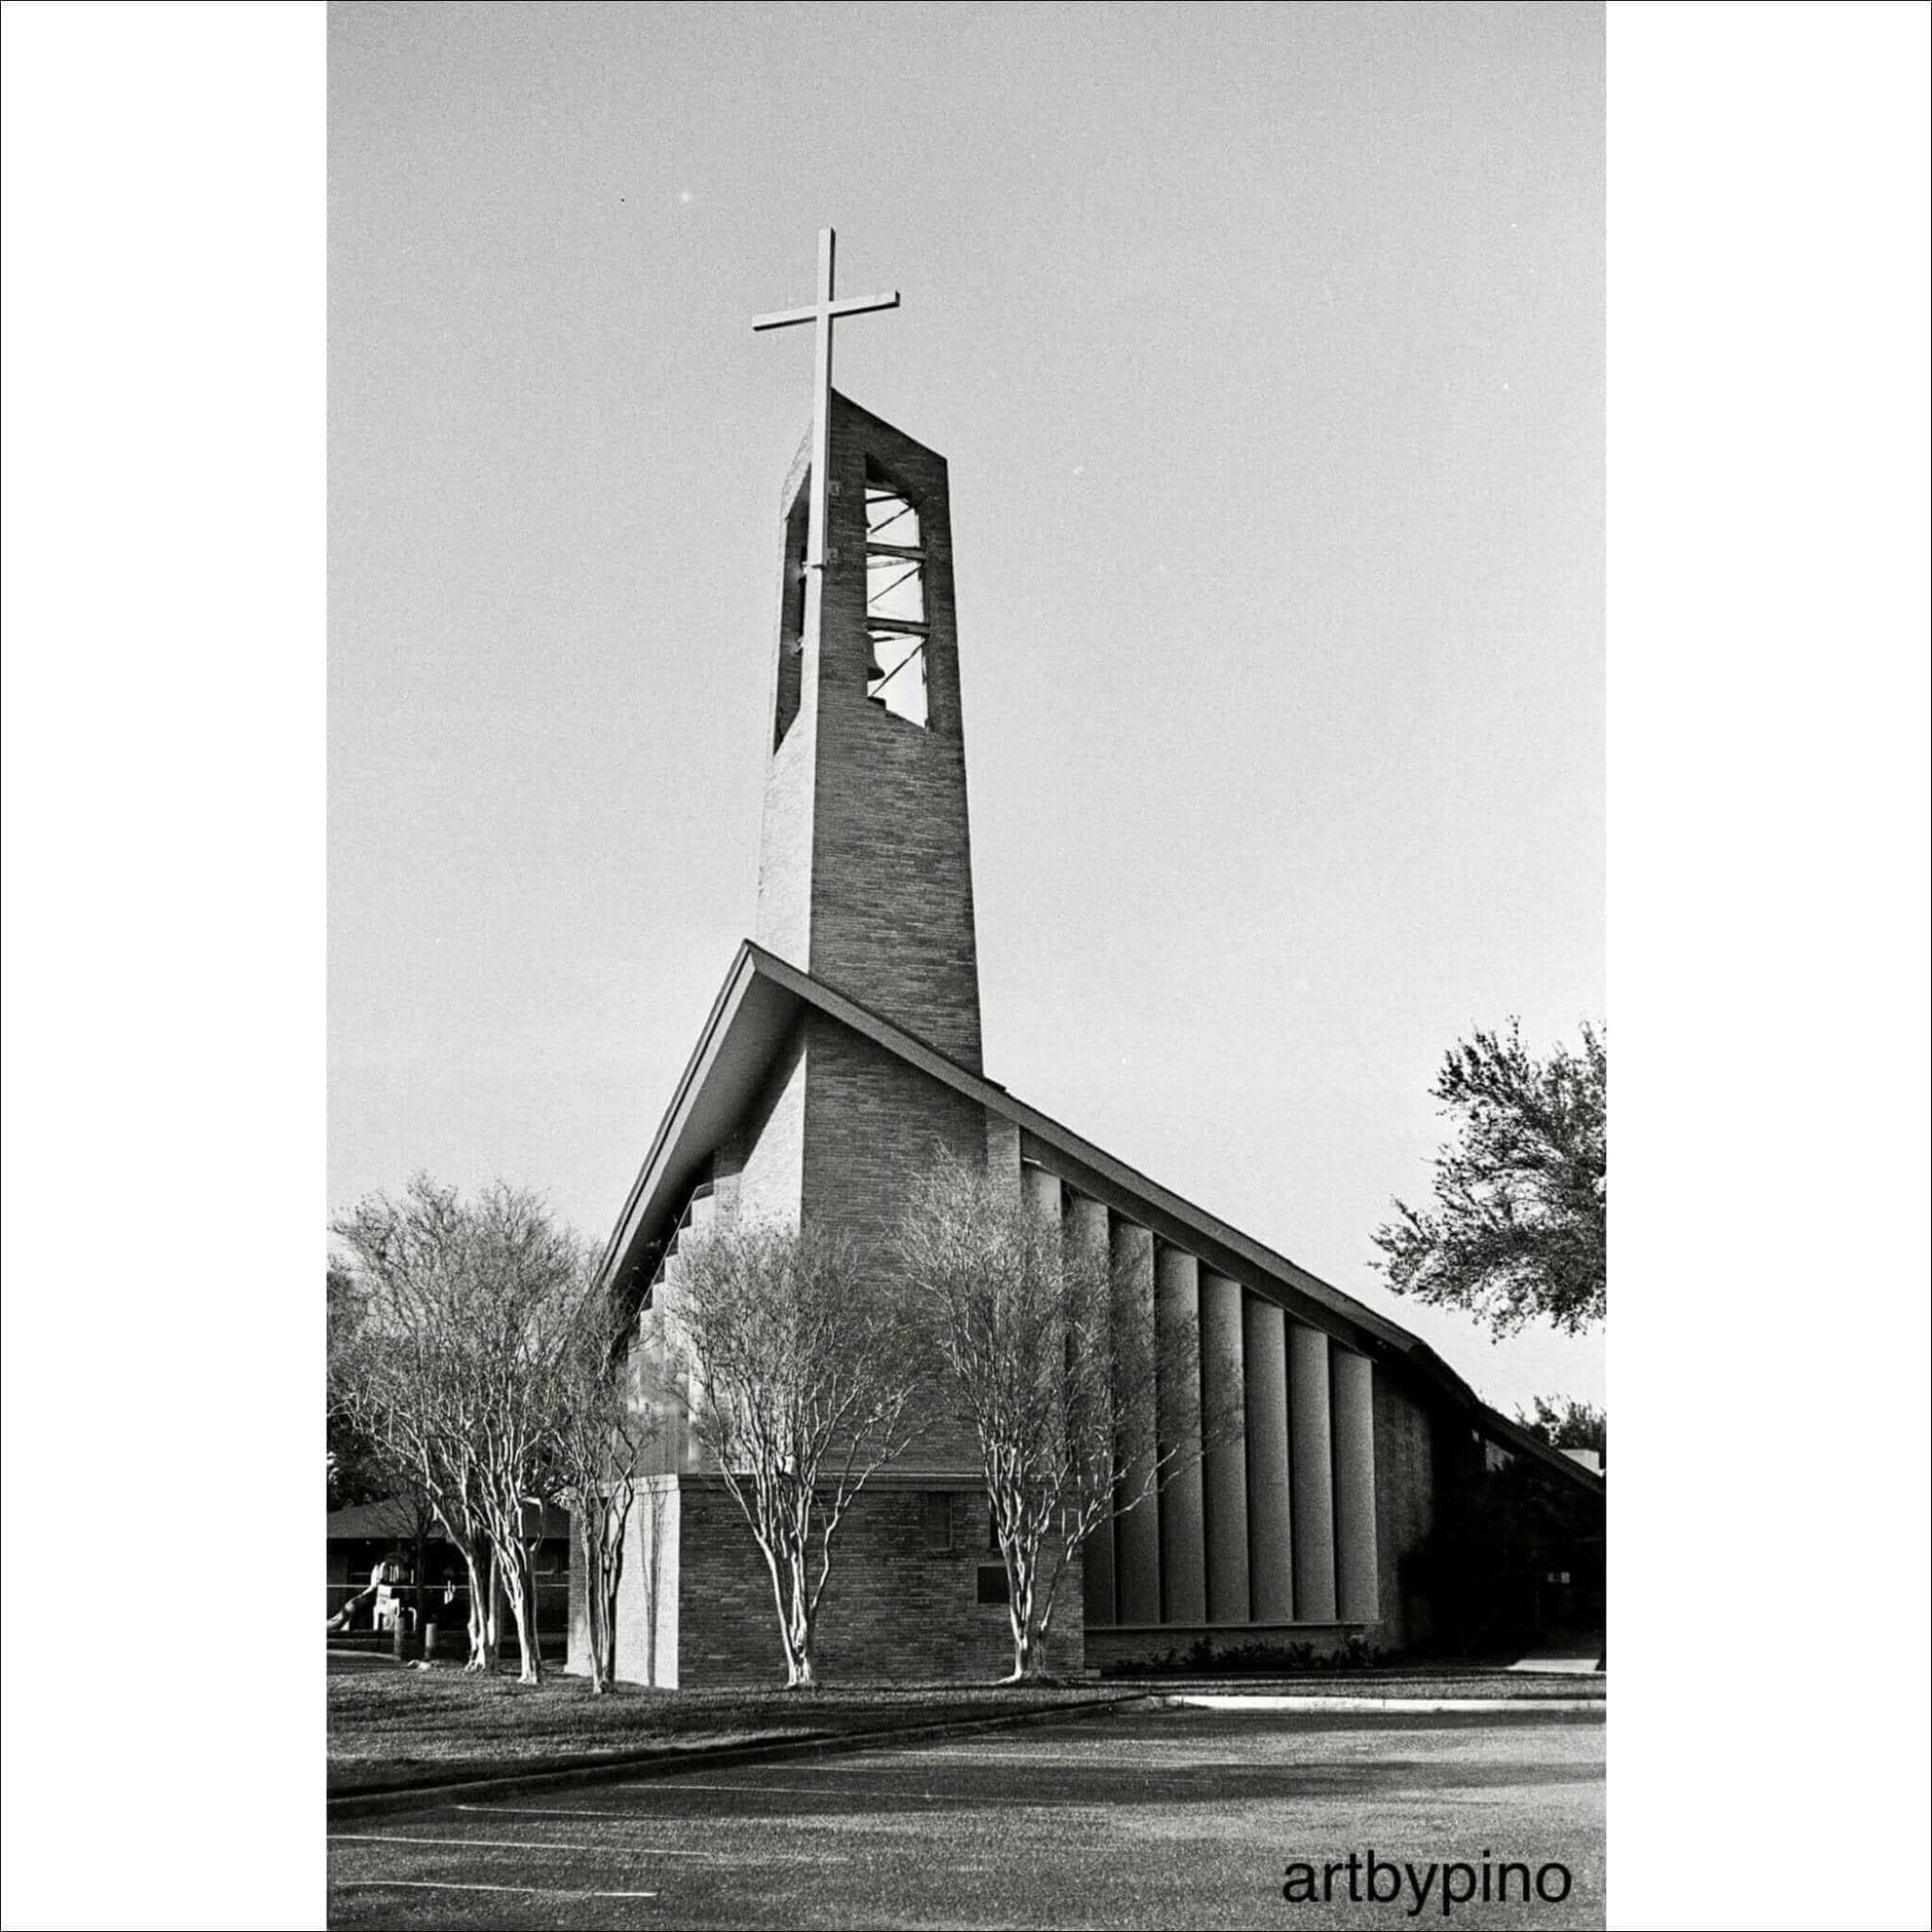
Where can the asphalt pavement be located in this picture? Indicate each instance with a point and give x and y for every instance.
(1139, 1818)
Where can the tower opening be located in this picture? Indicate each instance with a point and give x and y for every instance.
(791, 617)
(896, 612)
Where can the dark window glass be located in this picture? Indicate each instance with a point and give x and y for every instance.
(935, 1521)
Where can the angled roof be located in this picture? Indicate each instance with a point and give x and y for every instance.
(763, 997)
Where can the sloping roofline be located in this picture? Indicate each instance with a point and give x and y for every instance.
(756, 1008)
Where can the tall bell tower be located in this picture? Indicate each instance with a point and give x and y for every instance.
(864, 869)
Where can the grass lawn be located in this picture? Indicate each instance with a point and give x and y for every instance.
(389, 1726)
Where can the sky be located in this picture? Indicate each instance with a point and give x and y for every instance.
(1266, 349)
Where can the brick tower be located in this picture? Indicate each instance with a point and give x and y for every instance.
(865, 872)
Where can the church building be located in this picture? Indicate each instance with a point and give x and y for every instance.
(842, 1050)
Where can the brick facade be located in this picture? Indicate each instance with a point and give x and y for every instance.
(895, 1608)
(1404, 1490)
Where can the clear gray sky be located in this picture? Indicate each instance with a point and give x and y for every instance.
(1265, 347)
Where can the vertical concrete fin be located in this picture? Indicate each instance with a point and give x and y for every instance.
(1183, 1555)
(1357, 1586)
(1137, 1536)
(1087, 1236)
(1311, 1473)
(1225, 1467)
(1271, 1548)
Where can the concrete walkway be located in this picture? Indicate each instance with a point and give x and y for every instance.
(1244, 1701)
(1578, 1655)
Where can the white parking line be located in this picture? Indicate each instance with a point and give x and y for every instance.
(779, 1790)
(532, 1810)
(832, 1766)
(514, 1845)
(1084, 1760)
(438, 1885)
(1308, 1706)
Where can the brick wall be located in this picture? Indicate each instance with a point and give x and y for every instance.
(759, 1171)
(893, 1608)
(1405, 1488)
(871, 1124)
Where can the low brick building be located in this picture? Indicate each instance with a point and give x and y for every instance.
(842, 1053)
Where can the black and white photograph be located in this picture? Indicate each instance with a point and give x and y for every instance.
(967, 1062)
(961, 913)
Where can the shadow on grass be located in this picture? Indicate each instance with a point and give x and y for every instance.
(391, 1728)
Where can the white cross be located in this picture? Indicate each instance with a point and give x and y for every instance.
(822, 313)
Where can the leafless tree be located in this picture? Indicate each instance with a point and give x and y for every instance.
(463, 1310)
(1078, 1399)
(601, 1433)
(800, 1375)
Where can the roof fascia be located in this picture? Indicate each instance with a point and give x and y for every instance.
(731, 995)
(909, 1046)
(1514, 1435)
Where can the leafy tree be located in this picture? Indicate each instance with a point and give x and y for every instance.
(800, 1372)
(1518, 1228)
(1048, 1354)
(1566, 1424)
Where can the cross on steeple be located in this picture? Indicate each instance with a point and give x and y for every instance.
(821, 315)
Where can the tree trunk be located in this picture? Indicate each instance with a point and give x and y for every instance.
(778, 1566)
(804, 1671)
(520, 1575)
(480, 1657)
(485, 1613)
(598, 1633)
(494, 1631)
(586, 1552)
(597, 1601)
(1029, 1658)
(615, 1525)
(799, 1626)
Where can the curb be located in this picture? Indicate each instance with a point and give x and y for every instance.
(1406, 1706)
(668, 1763)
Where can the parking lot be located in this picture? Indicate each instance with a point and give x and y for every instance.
(1148, 1818)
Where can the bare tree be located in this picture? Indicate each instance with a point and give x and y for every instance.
(800, 1377)
(601, 1434)
(396, 1371)
(464, 1310)
(1068, 1387)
